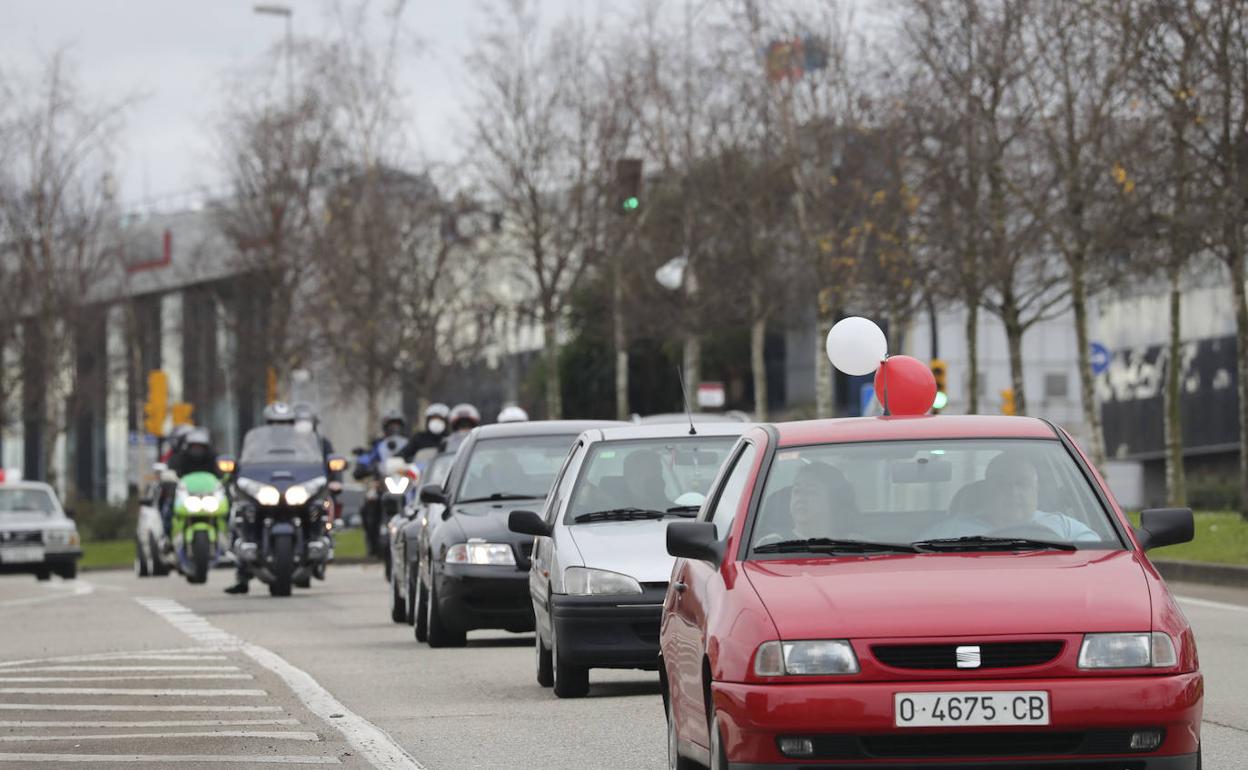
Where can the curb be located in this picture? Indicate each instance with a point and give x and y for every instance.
(1231, 575)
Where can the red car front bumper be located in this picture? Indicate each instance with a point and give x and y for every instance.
(854, 724)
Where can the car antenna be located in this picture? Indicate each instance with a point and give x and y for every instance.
(684, 395)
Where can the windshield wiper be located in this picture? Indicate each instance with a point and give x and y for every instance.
(499, 496)
(830, 545)
(619, 514)
(684, 510)
(986, 543)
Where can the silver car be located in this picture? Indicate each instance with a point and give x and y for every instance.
(36, 535)
(600, 565)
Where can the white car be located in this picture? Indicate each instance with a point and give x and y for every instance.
(600, 565)
(36, 535)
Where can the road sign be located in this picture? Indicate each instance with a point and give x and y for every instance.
(711, 395)
(1100, 358)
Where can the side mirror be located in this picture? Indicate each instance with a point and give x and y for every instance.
(694, 540)
(1165, 526)
(432, 494)
(337, 463)
(528, 523)
(226, 465)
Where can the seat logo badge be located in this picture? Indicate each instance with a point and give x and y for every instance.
(968, 657)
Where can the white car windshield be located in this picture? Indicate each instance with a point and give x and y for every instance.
(937, 495)
(642, 477)
(26, 501)
(517, 468)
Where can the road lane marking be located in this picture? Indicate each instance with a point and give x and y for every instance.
(1212, 604)
(213, 707)
(370, 741)
(268, 735)
(130, 691)
(181, 655)
(157, 723)
(126, 678)
(88, 668)
(80, 588)
(172, 759)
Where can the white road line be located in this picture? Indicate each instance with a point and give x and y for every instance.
(125, 678)
(28, 723)
(129, 691)
(80, 588)
(180, 655)
(173, 759)
(91, 668)
(268, 735)
(1211, 604)
(213, 707)
(370, 741)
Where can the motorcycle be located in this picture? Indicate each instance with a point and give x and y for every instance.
(373, 520)
(398, 480)
(200, 507)
(153, 554)
(282, 506)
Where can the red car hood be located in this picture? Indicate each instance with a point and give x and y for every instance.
(954, 594)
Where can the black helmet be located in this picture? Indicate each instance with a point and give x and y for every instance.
(464, 417)
(278, 413)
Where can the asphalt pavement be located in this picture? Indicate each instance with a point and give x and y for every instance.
(111, 671)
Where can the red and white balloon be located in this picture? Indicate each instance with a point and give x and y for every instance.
(904, 386)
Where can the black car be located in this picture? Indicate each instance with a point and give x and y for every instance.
(473, 570)
(405, 535)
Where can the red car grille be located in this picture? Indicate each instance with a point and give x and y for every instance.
(944, 656)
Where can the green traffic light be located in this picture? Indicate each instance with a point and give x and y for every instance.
(631, 203)
(942, 400)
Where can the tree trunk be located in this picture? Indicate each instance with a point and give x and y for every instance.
(554, 397)
(1014, 341)
(620, 342)
(758, 366)
(1176, 482)
(692, 367)
(1241, 355)
(825, 378)
(1087, 381)
(972, 357)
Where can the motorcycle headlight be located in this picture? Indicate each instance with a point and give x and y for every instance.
(584, 581)
(397, 485)
(819, 657)
(496, 554)
(302, 493)
(192, 504)
(210, 503)
(1142, 650)
(264, 494)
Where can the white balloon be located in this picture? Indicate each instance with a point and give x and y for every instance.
(856, 346)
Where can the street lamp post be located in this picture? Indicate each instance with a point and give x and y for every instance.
(285, 11)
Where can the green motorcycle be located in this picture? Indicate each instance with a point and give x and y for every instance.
(200, 522)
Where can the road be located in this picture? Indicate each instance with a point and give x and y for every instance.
(155, 670)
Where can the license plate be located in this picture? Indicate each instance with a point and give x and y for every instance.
(945, 709)
(21, 554)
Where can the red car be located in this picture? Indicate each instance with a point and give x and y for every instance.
(924, 592)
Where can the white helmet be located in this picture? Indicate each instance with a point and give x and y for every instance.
(513, 413)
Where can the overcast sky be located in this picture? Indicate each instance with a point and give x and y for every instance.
(175, 56)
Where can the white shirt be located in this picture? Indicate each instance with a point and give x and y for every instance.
(1068, 529)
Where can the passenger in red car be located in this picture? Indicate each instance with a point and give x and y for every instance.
(821, 503)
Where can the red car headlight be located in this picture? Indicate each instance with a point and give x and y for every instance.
(815, 657)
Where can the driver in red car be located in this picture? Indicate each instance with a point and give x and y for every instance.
(1009, 503)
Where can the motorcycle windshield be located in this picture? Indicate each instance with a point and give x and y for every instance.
(200, 483)
(280, 445)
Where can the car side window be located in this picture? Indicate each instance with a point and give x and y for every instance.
(562, 486)
(731, 491)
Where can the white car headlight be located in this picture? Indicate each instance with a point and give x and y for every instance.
(585, 581)
(265, 494)
(397, 485)
(818, 657)
(60, 537)
(496, 554)
(1141, 650)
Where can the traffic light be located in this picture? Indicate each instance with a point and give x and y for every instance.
(183, 414)
(157, 402)
(628, 184)
(940, 372)
(1007, 402)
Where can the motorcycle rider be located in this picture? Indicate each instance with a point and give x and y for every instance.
(512, 413)
(276, 413)
(463, 418)
(193, 454)
(433, 433)
(369, 464)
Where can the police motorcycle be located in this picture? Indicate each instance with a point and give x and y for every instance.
(281, 505)
(153, 553)
(371, 465)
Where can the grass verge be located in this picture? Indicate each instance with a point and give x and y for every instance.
(116, 554)
(1221, 538)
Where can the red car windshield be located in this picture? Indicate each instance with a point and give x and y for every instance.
(956, 492)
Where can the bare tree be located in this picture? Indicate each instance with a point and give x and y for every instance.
(539, 130)
(55, 213)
